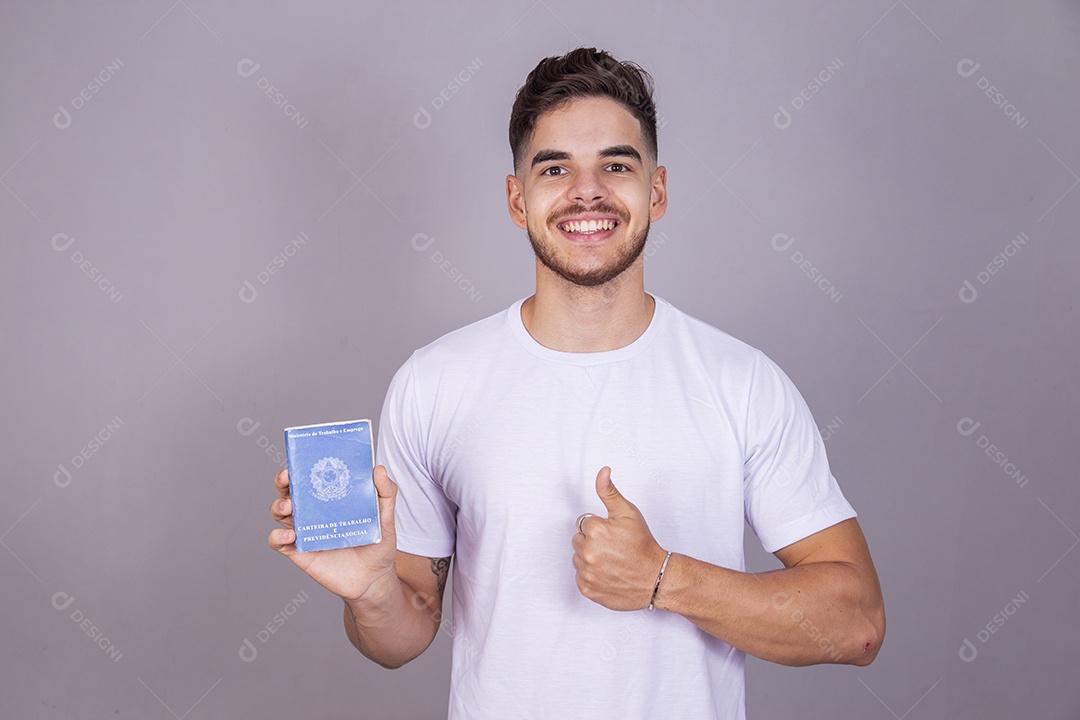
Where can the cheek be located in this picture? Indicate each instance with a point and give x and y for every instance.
(539, 209)
(633, 197)
(639, 212)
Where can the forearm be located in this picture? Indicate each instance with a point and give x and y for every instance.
(392, 624)
(824, 612)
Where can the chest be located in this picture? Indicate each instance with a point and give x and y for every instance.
(524, 453)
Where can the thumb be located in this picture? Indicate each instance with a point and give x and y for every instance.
(613, 500)
(387, 491)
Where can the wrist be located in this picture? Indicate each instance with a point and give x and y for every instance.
(663, 598)
(378, 596)
(660, 579)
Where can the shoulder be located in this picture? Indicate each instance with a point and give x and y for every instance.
(450, 364)
(466, 350)
(740, 368)
(466, 342)
(709, 342)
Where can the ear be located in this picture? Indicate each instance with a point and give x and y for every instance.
(658, 206)
(515, 201)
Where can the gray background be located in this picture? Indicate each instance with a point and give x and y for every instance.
(143, 345)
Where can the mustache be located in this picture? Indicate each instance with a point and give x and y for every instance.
(573, 210)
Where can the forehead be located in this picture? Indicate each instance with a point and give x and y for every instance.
(585, 125)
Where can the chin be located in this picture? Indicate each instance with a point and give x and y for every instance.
(625, 257)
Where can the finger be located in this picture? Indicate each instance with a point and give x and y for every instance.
(281, 482)
(613, 500)
(584, 521)
(283, 541)
(281, 511)
(577, 542)
(584, 586)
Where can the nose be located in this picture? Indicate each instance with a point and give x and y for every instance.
(588, 187)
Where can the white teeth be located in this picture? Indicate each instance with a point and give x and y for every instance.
(587, 227)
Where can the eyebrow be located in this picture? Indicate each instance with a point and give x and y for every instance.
(614, 151)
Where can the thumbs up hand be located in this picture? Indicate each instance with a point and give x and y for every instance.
(616, 558)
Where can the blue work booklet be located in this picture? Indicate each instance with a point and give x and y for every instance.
(334, 502)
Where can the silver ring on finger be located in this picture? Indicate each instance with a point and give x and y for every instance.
(581, 519)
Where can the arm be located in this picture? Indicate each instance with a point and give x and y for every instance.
(824, 607)
(396, 621)
(393, 600)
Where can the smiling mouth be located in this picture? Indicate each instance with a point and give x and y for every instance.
(588, 227)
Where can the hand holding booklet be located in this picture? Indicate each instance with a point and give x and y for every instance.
(331, 485)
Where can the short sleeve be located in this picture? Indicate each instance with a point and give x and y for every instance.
(425, 520)
(789, 490)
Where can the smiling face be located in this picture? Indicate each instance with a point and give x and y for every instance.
(586, 192)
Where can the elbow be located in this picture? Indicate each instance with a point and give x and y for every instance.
(869, 641)
(388, 663)
(865, 654)
(869, 632)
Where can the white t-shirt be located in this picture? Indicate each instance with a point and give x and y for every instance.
(495, 442)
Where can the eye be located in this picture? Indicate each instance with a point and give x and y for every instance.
(619, 167)
(553, 171)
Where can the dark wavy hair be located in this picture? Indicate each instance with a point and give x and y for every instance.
(581, 73)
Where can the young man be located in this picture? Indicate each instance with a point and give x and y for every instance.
(506, 438)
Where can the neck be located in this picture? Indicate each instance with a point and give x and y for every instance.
(570, 318)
